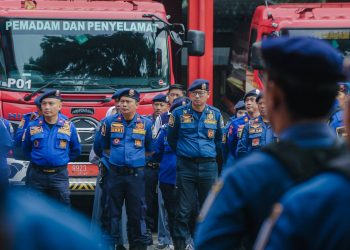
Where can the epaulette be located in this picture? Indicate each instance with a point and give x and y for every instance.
(214, 108)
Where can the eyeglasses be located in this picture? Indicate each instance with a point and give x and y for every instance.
(199, 93)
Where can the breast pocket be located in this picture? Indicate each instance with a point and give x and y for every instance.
(188, 128)
(62, 141)
(255, 140)
(210, 130)
(139, 140)
(116, 139)
(37, 140)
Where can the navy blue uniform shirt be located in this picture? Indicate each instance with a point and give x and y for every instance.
(51, 147)
(315, 215)
(256, 134)
(128, 143)
(244, 197)
(191, 135)
(167, 158)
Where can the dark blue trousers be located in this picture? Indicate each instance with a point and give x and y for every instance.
(55, 185)
(151, 179)
(130, 188)
(193, 181)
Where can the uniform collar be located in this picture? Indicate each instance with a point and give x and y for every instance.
(190, 109)
(136, 118)
(60, 122)
(307, 130)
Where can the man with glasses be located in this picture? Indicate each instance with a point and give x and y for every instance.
(195, 134)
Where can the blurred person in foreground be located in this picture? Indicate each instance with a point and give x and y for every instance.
(299, 72)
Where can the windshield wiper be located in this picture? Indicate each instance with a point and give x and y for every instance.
(30, 96)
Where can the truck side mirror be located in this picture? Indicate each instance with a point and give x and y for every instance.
(256, 61)
(195, 43)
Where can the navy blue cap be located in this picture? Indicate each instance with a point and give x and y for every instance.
(303, 59)
(254, 92)
(160, 98)
(50, 94)
(179, 102)
(176, 86)
(201, 84)
(240, 105)
(131, 93)
(259, 97)
(117, 93)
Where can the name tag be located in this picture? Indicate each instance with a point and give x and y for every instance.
(139, 131)
(187, 118)
(255, 130)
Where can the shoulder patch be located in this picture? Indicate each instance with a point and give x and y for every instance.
(171, 121)
(21, 124)
(103, 129)
(222, 124)
(24, 135)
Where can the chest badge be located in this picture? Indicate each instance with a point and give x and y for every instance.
(256, 142)
(211, 133)
(117, 127)
(63, 144)
(186, 118)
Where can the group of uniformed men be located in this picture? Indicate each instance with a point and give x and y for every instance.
(174, 152)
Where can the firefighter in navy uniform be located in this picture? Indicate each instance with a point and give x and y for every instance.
(300, 72)
(236, 126)
(257, 132)
(50, 142)
(101, 210)
(160, 105)
(195, 134)
(128, 137)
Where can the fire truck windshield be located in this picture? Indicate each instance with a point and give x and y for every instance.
(83, 55)
(338, 38)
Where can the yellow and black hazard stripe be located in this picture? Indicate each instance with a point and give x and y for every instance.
(82, 186)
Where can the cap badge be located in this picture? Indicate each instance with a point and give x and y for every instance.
(204, 86)
(131, 92)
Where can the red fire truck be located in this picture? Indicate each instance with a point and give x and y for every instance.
(87, 49)
(328, 21)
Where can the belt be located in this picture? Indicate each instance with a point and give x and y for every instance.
(126, 170)
(153, 165)
(198, 159)
(48, 170)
